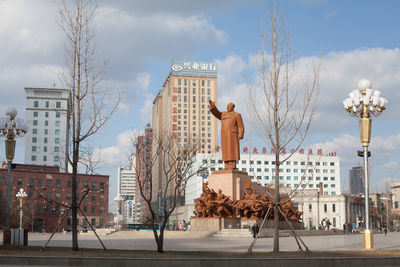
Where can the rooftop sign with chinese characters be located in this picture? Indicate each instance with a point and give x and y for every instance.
(197, 69)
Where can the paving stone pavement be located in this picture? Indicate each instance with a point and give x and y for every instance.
(187, 241)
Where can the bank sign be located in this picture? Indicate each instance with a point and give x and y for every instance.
(191, 68)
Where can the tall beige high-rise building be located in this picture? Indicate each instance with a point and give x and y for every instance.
(180, 109)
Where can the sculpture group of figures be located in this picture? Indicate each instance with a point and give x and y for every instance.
(213, 204)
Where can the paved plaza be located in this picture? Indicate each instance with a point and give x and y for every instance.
(200, 241)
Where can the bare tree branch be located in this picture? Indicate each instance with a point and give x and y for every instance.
(279, 109)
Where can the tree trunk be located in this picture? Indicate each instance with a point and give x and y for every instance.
(159, 240)
(74, 206)
(276, 209)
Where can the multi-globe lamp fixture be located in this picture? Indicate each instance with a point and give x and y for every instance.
(21, 195)
(11, 127)
(365, 102)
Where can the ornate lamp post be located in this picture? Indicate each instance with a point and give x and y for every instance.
(11, 127)
(21, 195)
(365, 102)
(118, 199)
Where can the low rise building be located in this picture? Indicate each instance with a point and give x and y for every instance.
(319, 209)
(47, 181)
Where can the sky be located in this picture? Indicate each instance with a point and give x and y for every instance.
(139, 40)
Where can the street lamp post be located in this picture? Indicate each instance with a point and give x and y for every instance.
(21, 195)
(365, 102)
(11, 127)
(118, 199)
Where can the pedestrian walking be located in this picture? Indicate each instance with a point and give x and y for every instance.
(385, 229)
(344, 228)
(254, 230)
(349, 228)
(328, 224)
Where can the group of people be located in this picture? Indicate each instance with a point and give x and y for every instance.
(349, 228)
(325, 224)
(181, 226)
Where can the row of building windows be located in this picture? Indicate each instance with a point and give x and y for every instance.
(46, 131)
(194, 82)
(259, 170)
(46, 114)
(203, 123)
(194, 134)
(202, 91)
(178, 98)
(55, 158)
(295, 178)
(46, 208)
(266, 162)
(56, 149)
(58, 183)
(46, 140)
(57, 196)
(194, 117)
(46, 123)
(310, 207)
(47, 104)
(186, 128)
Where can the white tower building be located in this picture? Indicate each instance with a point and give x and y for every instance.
(126, 190)
(47, 116)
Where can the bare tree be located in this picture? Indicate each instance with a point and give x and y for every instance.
(283, 110)
(177, 166)
(90, 107)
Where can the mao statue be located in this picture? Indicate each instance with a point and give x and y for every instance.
(232, 130)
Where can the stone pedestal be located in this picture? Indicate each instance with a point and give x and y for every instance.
(214, 224)
(231, 182)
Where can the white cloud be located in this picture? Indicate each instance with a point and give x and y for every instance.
(330, 15)
(143, 81)
(339, 75)
(146, 109)
(124, 108)
(119, 154)
(155, 35)
(392, 166)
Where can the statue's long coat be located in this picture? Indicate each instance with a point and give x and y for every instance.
(232, 129)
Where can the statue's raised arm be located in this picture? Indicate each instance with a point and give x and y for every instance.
(214, 110)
